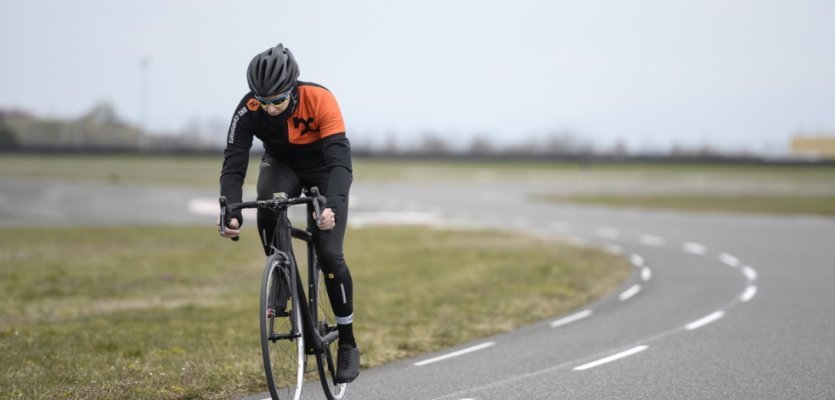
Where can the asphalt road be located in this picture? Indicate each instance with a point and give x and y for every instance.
(718, 306)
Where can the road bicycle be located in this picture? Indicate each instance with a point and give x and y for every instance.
(294, 327)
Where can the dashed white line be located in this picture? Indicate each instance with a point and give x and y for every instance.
(455, 353)
(636, 260)
(748, 294)
(606, 232)
(628, 293)
(571, 318)
(749, 273)
(204, 206)
(651, 240)
(704, 320)
(694, 248)
(646, 274)
(359, 219)
(729, 260)
(614, 357)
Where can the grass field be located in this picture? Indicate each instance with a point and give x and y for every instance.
(785, 189)
(204, 170)
(171, 313)
(744, 204)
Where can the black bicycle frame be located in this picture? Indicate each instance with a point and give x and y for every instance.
(314, 342)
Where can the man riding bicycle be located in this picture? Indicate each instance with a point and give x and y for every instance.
(301, 128)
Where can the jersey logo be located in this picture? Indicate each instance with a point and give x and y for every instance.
(306, 122)
(252, 105)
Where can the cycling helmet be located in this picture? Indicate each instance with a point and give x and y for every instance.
(272, 72)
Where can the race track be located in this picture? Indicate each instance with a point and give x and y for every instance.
(718, 306)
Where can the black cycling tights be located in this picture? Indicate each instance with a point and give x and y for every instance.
(276, 177)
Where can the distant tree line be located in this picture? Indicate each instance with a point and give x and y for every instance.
(102, 130)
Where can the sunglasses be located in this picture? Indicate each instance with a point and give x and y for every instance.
(277, 101)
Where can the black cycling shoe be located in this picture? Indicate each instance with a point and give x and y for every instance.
(347, 363)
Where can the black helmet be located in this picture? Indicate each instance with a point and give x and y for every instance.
(272, 72)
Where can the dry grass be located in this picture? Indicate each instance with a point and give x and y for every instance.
(171, 313)
(740, 203)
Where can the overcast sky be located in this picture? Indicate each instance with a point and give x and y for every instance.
(732, 73)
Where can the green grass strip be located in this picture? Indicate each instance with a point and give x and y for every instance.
(171, 312)
(204, 171)
(768, 204)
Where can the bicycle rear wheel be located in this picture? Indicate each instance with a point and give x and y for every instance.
(326, 361)
(282, 343)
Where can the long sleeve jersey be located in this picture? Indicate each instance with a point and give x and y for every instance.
(309, 135)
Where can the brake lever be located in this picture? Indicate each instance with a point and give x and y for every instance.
(223, 219)
(319, 203)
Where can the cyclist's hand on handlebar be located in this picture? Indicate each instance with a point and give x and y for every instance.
(328, 220)
(232, 229)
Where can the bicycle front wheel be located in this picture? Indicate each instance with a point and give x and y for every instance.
(282, 343)
(326, 361)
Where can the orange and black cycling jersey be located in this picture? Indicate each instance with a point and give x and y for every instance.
(308, 136)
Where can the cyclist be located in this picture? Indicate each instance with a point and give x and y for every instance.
(301, 128)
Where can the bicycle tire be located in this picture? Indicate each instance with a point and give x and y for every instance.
(282, 344)
(325, 361)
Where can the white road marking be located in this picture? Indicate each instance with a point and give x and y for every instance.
(628, 293)
(694, 248)
(729, 260)
(203, 206)
(614, 357)
(455, 353)
(606, 232)
(613, 249)
(749, 293)
(705, 320)
(571, 318)
(651, 240)
(749, 273)
(211, 208)
(637, 260)
(646, 273)
(360, 218)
